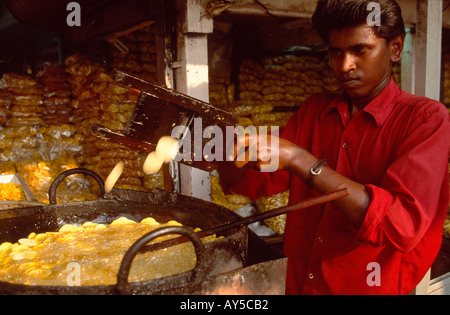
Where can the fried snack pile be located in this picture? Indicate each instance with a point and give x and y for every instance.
(46, 258)
(45, 119)
(37, 139)
(26, 99)
(234, 202)
(56, 108)
(97, 98)
(45, 129)
(274, 202)
(270, 90)
(141, 59)
(5, 104)
(11, 191)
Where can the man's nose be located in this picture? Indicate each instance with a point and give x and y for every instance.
(348, 63)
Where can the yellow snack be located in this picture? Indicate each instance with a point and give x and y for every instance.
(11, 191)
(167, 149)
(28, 242)
(173, 223)
(149, 221)
(67, 228)
(97, 249)
(152, 163)
(122, 221)
(4, 247)
(273, 202)
(113, 176)
(24, 255)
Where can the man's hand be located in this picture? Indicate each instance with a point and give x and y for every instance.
(270, 153)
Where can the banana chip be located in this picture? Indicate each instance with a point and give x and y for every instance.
(113, 177)
(28, 242)
(167, 149)
(98, 249)
(152, 163)
(24, 255)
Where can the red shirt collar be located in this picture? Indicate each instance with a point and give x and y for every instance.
(379, 108)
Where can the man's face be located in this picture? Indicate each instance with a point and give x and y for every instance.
(361, 61)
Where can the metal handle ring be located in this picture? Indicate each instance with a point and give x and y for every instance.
(63, 175)
(198, 274)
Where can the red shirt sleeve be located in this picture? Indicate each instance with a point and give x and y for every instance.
(404, 206)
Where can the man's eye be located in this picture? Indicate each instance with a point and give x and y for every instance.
(362, 50)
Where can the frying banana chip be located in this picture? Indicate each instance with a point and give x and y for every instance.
(113, 176)
(98, 249)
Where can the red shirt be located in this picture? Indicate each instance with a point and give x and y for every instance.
(398, 147)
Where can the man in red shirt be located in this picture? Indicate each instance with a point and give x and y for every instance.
(390, 148)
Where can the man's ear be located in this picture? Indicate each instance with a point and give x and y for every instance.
(396, 48)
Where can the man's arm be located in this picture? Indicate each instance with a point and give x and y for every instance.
(297, 161)
(354, 205)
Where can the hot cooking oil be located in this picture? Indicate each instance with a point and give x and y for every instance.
(97, 249)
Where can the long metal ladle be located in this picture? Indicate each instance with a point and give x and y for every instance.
(310, 202)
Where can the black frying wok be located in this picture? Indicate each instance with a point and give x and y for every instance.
(161, 205)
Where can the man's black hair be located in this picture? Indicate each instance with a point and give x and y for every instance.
(338, 14)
